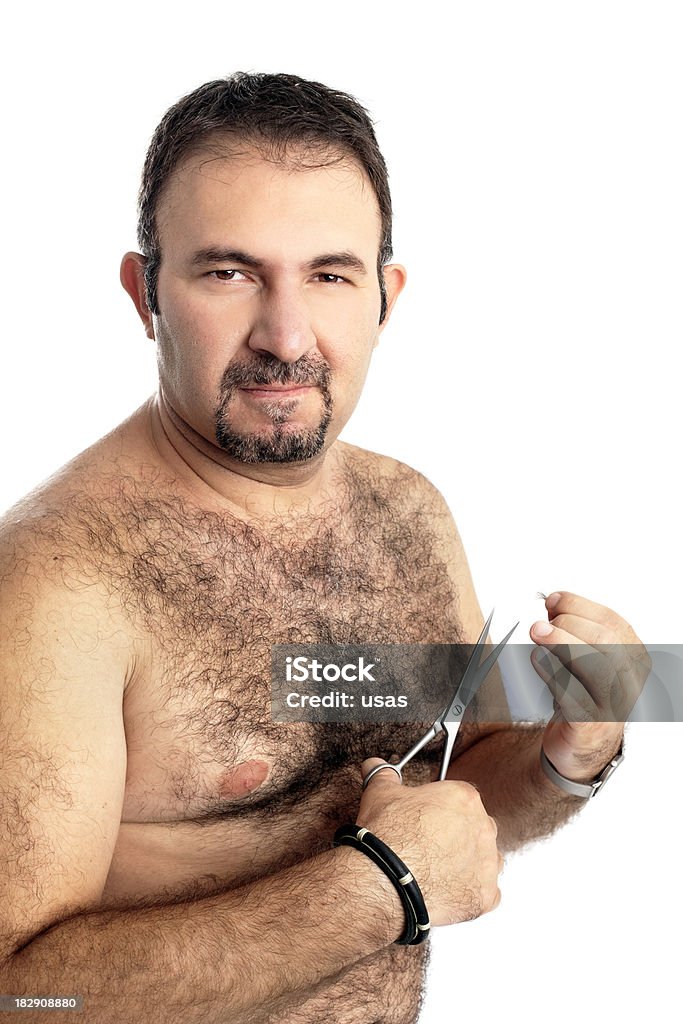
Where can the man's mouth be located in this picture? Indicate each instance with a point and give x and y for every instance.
(275, 391)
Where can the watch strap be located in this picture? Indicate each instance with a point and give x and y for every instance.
(582, 789)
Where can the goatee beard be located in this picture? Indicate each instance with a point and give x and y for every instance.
(276, 443)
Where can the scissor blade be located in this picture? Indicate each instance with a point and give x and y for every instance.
(428, 736)
(451, 730)
(475, 673)
(453, 709)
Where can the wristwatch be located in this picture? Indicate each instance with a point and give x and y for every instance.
(584, 789)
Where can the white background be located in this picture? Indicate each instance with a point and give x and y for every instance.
(531, 370)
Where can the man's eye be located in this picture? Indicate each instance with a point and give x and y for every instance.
(331, 278)
(224, 275)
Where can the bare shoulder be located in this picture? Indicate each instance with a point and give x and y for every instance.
(373, 467)
(53, 592)
(55, 530)
(54, 579)
(414, 501)
(404, 486)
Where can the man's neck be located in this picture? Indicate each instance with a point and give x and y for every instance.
(261, 489)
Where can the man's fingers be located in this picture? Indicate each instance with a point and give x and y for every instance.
(566, 603)
(386, 776)
(604, 682)
(574, 700)
(573, 628)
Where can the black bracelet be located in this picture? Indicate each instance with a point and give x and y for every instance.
(417, 918)
(411, 932)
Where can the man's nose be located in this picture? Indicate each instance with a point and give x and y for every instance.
(283, 326)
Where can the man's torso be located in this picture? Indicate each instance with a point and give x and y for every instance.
(217, 794)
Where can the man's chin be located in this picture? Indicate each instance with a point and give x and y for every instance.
(282, 443)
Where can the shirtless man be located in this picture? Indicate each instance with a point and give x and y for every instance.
(165, 846)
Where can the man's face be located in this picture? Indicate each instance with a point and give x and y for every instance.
(268, 301)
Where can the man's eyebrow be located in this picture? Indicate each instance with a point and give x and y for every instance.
(218, 254)
(338, 259)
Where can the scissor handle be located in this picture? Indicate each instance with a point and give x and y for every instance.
(398, 768)
(378, 768)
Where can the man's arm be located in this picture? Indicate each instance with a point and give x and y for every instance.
(505, 767)
(603, 667)
(232, 956)
(227, 957)
(500, 758)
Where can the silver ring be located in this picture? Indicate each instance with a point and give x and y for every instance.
(378, 768)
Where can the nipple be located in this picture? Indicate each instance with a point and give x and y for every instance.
(242, 779)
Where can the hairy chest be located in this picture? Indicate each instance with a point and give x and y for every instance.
(208, 596)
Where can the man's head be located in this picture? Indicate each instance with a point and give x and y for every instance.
(264, 216)
(284, 117)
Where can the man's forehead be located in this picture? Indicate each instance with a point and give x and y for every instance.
(218, 176)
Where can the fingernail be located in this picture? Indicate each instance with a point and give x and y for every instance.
(552, 599)
(542, 628)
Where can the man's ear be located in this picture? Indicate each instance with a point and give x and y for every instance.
(395, 277)
(133, 280)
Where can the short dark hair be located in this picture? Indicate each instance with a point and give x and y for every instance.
(279, 114)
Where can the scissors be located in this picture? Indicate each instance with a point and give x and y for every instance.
(449, 720)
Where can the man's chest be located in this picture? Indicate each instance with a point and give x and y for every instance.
(198, 714)
(215, 788)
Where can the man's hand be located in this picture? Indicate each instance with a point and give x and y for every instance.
(595, 669)
(443, 833)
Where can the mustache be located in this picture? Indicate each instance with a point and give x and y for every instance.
(264, 370)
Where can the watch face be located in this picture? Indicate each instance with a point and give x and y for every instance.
(606, 772)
